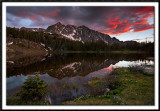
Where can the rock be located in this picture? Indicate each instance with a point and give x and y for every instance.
(107, 89)
(48, 99)
(117, 97)
(122, 103)
(149, 70)
(125, 70)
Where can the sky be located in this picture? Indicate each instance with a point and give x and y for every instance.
(125, 23)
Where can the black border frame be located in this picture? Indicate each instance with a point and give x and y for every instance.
(66, 1)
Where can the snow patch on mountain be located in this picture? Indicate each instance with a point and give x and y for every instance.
(71, 66)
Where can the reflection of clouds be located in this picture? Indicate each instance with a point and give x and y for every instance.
(15, 81)
(123, 63)
(111, 68)
(129, 63)
(148, 62)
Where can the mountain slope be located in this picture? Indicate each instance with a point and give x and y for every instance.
(22, 52)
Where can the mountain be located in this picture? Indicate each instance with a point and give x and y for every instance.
(80, 33)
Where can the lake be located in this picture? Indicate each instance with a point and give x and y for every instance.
(66, 74)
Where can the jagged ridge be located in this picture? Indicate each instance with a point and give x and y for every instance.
(80, 33)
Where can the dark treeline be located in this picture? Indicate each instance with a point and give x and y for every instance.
(58, 43)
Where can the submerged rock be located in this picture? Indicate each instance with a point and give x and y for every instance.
(149, 70)
(117, 97)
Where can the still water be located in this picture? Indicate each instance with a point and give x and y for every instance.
(66, 74)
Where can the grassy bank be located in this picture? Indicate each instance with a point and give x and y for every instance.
(126, 52)
(127, 86)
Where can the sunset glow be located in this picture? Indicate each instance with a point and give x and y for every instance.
(114, 21)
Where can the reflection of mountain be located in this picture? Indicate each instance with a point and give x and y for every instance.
(69, 65)
(79, 68)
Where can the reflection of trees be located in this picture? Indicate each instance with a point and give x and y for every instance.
(24, 61)
(69, 65)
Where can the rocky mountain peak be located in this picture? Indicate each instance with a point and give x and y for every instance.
(83, 27)
(80, 33)
(58, 23)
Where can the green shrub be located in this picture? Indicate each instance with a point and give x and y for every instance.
(97, 85)
(113, 82)
(33, 89)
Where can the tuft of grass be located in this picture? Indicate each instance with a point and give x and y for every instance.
(113, 81)
(75, 86)
(96, 85)
(66, 88)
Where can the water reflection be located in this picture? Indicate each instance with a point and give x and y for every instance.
(67, 74)
(60, 66)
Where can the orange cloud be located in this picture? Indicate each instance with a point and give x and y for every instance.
(33, 17)
(135, 21)
(143, 10)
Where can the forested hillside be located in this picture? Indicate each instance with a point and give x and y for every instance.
(56, 42)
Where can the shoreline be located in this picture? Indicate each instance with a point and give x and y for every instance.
(130, 90)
